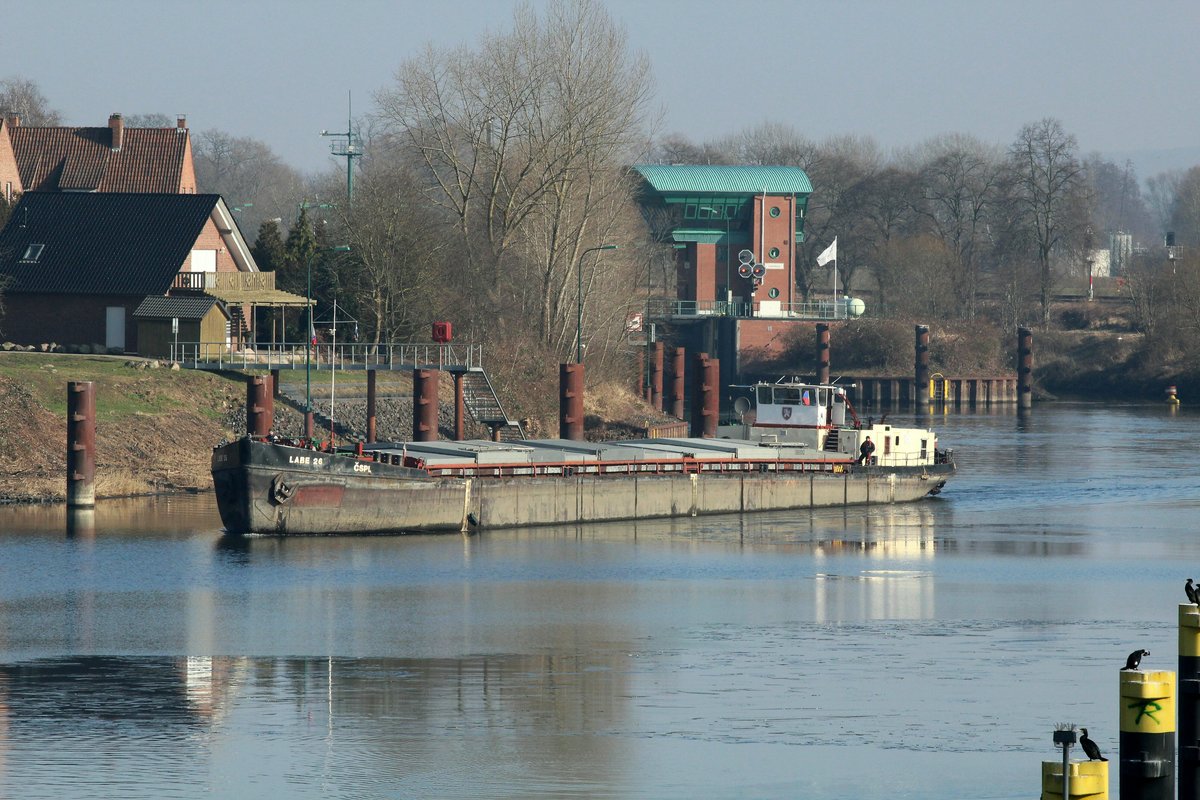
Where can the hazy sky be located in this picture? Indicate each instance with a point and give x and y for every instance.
(1122, 76)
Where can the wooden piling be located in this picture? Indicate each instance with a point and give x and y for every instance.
(371, 405)
(822, 353)
(656, 377)
(460, 407)
(921, 370)
(425, 405)
(1024, 368)
(677, 382)
(570, 401)
(81, 444)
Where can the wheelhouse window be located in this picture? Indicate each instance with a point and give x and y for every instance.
(33, 252)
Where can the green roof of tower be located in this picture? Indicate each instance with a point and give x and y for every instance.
(701, 178)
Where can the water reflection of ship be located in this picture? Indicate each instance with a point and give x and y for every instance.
(880, 592)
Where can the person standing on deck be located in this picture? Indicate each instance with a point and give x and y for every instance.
(865, 451)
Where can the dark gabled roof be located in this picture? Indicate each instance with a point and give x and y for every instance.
(181, 306)
(82, 159)
(101, 243)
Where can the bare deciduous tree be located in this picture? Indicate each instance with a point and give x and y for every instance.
(155, 120)
(523, 142)
(956, 187)
(22, 97)
(1185, 211)
(396, 265)
(248, 174)
(840, 170)
(1048, 174)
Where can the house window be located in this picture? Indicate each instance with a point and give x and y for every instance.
(8, 191)
(33, 252)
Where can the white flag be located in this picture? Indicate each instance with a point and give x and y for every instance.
(828, 254)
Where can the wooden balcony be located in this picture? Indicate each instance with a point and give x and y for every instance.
(225, 281)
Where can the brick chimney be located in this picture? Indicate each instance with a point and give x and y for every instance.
(13, 120)
(117, 125)
(181, 123)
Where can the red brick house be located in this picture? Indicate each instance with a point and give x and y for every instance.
(95, 159)
(79, 264)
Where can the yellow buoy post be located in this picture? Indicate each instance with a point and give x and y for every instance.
(1189, 701)
(1085, 779)
(1147, 735)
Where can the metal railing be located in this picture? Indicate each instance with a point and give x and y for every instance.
(293, 355)
(763, 309)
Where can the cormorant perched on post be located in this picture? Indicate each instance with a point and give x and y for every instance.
(1135, 658)
(1089, 747)
(1193, 595)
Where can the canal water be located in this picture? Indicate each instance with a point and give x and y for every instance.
(918, 651)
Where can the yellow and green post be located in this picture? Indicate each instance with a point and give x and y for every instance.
(1147, 716)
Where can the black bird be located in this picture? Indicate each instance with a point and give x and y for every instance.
(1135, 658)
(1089, 747)
(1193, 595)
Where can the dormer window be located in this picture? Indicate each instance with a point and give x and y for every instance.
(33, 252)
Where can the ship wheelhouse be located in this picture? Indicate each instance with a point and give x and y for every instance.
(799, 405)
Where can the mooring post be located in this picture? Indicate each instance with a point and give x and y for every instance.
(370, 405)
(1024, 368)
(822, 353)
(1189, 701)
(921, 376)
(275, 383)
(656, 377)
(677, 376)
(1147, 744)
(460, 407)
(260, 406)
(81, 444)
(425, 405)
(706, 407)
(570, 401)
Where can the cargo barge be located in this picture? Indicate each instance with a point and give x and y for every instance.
(801, 447)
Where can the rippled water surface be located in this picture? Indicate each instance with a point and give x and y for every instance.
(918, 651)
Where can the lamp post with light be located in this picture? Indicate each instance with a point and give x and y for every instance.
(579, 302)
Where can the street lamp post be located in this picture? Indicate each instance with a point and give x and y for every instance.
(308, 335)
(579, 302)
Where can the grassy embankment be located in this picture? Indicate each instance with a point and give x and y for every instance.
(155, 428)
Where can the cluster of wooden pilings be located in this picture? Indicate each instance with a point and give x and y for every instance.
(923, 387)
(706, 398)
(927, 387)
(959, 391)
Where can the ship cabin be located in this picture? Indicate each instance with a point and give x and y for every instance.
(820, 416)
(799, 405)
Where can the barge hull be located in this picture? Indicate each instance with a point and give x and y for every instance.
(271, 489)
